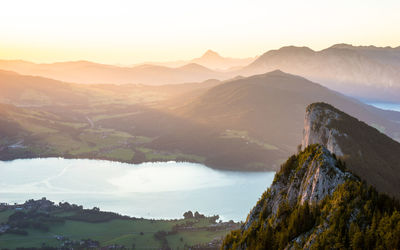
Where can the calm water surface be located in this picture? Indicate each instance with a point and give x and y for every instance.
(386, 105)
(149, 190)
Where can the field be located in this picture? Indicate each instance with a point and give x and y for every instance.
(105, 228)
(244, 135)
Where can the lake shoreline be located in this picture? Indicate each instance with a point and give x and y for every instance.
(9, 159)
(390, 106)
(151, 190)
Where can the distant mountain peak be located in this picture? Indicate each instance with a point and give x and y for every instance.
(277, 72)
(363, 47)
(342, 46)
(194, 66)
(296, 49)
(211, 54)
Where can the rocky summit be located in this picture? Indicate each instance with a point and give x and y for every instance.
(368, 153)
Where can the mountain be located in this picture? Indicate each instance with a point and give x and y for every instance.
(213, 60)
(316, 202)
(268, 110)
(368, 153)
(206, 67)
(38, 91)
(95, 73)
(366, 72)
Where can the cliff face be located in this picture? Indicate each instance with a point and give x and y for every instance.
(317, 129)
(368, 153)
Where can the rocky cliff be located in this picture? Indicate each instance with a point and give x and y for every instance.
(367, 152)
(317, 128)
(305, 178)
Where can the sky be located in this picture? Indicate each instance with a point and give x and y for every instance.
(130, 32)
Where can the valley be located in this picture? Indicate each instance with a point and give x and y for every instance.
(199, 125)
(246, 124)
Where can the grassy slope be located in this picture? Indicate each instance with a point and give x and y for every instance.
(117, 231)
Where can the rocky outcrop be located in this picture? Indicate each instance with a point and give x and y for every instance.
(367, 152)
(317, 128)
(311, 176)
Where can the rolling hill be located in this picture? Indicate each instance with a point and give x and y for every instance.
(26, 90)
(95, 73)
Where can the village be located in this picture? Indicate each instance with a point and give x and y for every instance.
(57, 224)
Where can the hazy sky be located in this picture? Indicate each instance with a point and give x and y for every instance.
(129, 32)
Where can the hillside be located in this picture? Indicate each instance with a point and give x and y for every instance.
(269, 110)
(41, 117)
(248, 123)
(35, 91)
(365, 71)
(45, 118)
(368, 153)
(317, 200)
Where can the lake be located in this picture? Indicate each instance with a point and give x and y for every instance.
(386, 105)
(161, 190)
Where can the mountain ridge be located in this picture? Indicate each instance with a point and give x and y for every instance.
(366, 72)
(86, 72)
(363, 72)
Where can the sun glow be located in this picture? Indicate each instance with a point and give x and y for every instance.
(135, 31)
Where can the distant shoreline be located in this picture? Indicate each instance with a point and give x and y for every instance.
(385, 105)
